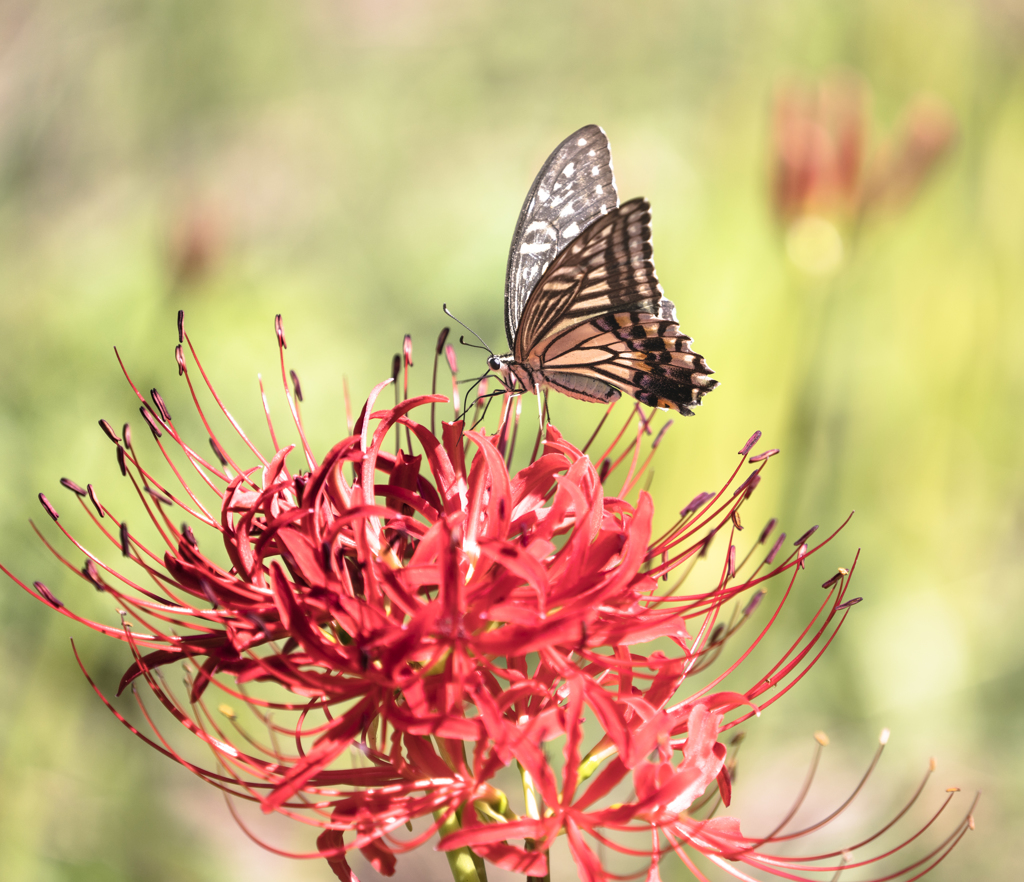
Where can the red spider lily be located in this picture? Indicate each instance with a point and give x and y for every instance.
(421, 620)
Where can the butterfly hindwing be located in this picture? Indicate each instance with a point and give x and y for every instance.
(574, 188)
(641, 354)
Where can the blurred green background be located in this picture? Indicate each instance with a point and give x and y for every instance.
(355, 164)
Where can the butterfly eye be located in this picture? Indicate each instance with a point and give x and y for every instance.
(493, 363)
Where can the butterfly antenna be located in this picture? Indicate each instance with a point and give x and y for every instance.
(463, 341)
(444, 306)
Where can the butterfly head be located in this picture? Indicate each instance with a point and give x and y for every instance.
(502, 366)
(514, 375)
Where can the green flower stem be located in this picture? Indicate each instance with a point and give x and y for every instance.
(465, 865)
(592, 760)
(533, 811)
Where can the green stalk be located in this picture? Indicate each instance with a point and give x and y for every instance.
(466, 866)
(533, 811)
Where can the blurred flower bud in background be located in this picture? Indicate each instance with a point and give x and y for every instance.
(195, 244)
(826, 180)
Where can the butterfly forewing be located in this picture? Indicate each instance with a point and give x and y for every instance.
(574, 188)
(608, 268)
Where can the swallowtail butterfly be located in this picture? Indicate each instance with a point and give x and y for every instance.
(584, 312)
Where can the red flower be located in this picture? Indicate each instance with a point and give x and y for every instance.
(406, 625)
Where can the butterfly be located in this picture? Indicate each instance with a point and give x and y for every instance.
(584, 312)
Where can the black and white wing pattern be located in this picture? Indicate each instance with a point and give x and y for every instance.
(574, 188)
(597, 323)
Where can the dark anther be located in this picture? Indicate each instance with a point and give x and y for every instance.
(750, 443)
(696, 503)
(660, 435)
(767, 531)
(126, 433)
(754, 602)
(731, 562)
(440, 341)
(806, 536)
(90, 572)
(295, 384)
(159, 402)
(218, 452)
(126, 548)
(181, 326)
(775, 548)
(179, 356)
(208, 591)
(838, 577)
(72, 486)
(151, 421)
(120, 461)
(50, 510)
(736, 522)
(279, 330)
(158, 496)
(706, 544)
(848, 603)
(755, 479)
(606, 466)
(748, 486)
(47, 594)
(716, 634)
(94, 499)
(256, 620)
(189, 536)
(407, 350)
(396, 366)
(108, 430)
